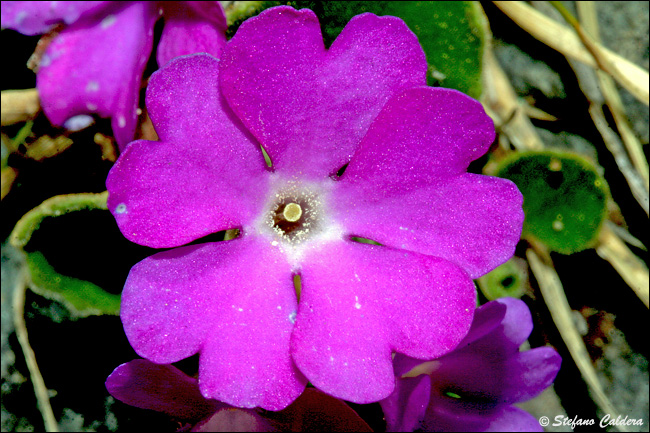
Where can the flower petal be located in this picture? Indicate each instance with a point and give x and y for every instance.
(472, 386)
(316, 411)
(472, 220)
(404, 365)
(486, 328)
(160, 196)
(422, 135)
(488, 318)
(361, 302)
(310, 107)
(163, 388)
(517, 323)
(406, 186)
(404, 409)
(490, 372)
(192, 27)
(160, 199)
(499, 328)
(232, 301)
(513, 419)
(446, 414)
(34, 17)
(96, 66)
(477, 377)
(531, 372)
(234, 420)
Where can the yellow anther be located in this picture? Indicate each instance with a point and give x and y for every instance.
(292, 212)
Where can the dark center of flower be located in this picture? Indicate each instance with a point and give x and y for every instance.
(295, 213)
(288, 217)
(294, 216)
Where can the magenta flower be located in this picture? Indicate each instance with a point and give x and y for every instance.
(95, 64)
(474, 387)
(363, 102)
(164, 388)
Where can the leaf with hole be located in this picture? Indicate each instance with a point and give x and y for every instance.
(565, 198)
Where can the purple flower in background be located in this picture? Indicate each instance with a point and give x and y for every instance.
(95, 64)
(164, 388)
(364, 101)
(473, 388)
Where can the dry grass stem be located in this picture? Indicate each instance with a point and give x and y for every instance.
(107, 145)
(626, 263)
(9, 175)
(615, 146)
(504, 107)
(19, 106)
(625, 235)
(556, 301)
(564, 40)
(42, 395)
(536, 113)
(588, 18)
(46, 147)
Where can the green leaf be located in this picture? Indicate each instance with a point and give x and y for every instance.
(508, 280)
(565, 198)
(452, 34)
(53, 207)
(452, 37)
(82, 298)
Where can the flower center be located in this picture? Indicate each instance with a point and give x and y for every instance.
(295, 213)
(292, 212)
(295, 218)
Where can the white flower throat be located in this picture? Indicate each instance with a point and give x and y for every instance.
(296, 217)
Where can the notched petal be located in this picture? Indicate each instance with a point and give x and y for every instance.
(310, 107)
(194, 299)
(472, 220)
(378, 301)
(161, 197)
